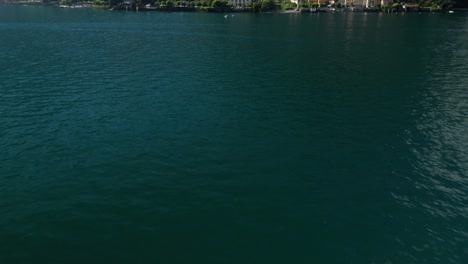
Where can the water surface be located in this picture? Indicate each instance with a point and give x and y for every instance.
(261, 138)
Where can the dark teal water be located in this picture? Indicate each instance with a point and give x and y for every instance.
(269, 138)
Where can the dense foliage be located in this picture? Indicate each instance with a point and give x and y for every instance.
(288, 5)
(268, 5)
(443, 4)
(262, 5)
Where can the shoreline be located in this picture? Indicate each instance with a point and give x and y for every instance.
(213, 10)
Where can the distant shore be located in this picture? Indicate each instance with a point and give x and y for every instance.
(133, 7)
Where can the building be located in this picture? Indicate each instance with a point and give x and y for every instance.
(319, 2)
(240, 3)
(357, 3)
(411, 7)
(371, 3)
(298, 2)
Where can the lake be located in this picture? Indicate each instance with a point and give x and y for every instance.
(162, 137)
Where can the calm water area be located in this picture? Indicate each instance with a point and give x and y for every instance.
(161, 137)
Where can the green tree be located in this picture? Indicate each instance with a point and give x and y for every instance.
(444, 4)
(220, 4)
(256, 7)
(287, 5)
(268, 5)
(169, 4)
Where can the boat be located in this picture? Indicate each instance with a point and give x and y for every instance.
(149, 7)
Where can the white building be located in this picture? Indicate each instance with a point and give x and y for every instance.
(370, 3)
(361, 3)
(297, 2)
(319, 2)
(240, 3)
(386, 2)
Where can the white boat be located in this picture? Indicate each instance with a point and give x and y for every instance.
(149, 7)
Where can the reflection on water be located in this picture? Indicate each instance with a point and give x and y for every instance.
(443, 126)
(437, 186)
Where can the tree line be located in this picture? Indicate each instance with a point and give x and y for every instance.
(261, 5)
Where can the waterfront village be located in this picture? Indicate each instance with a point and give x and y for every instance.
(292, 6)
